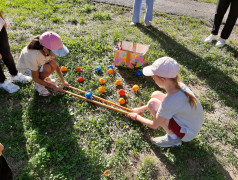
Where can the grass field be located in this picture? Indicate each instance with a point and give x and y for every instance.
(62, 137)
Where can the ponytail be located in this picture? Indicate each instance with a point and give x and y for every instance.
(191, 99)
(35, 44)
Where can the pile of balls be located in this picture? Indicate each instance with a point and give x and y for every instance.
(102, 81)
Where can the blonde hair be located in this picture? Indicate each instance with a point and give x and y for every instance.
(191, 99)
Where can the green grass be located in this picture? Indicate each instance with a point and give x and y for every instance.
(62, 137)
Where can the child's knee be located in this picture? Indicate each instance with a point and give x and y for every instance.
(154, 104)
(53, 65)
(158, 95)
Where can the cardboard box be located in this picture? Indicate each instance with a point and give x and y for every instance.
(130, 54)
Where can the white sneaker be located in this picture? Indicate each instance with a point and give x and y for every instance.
(133, 23)
(21, 78)
(221, 42)
(41, 89)
(147, 24)
(210, 38)
(51, 81)
(10, 87)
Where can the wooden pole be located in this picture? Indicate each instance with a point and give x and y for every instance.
(101, 99)
(98, 103)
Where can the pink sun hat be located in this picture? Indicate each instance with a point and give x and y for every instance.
(52, 41)
(165, 67)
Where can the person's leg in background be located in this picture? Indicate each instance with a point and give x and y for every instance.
(136, 11)
(149, 12)
(6, 52)
(231, 20)
(222, 6)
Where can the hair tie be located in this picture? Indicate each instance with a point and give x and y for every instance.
(182, 90)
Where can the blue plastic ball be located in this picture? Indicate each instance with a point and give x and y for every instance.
(98, 69)
(110, 67)
(89, 95)
(138, 74)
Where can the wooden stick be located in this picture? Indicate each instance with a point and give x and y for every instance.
(101, 99)
(98, 103)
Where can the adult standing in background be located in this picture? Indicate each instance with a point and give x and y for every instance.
(137, 12)
(222, 7)
(5, 53)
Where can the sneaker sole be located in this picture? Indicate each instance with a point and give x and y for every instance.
(179, 144)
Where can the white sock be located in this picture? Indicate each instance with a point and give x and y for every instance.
(173, 136)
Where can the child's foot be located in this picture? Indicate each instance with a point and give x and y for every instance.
(221, 42)
(41, 90)
(166, 141)
(210, 38)
(133, 23)
(147, 24)
(21, 78)
(10, 87)
(51, 81)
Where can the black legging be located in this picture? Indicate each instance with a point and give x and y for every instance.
(6, 55)
(222, 7)
(5, 171)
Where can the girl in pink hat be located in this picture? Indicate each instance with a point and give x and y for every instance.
(178, 111)
(38, 59)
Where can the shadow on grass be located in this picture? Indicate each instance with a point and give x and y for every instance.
(12, 132)
(54, 150)
(220, 82)
(192, 160)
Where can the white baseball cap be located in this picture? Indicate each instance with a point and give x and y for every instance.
(165, 67)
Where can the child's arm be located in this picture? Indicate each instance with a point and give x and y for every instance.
(5, 25)
(65, 83)
(152, 124)
(140, 109)
(1, 149)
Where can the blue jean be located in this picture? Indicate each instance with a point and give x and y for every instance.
(137, 10)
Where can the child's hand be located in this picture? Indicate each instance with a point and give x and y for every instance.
(136, 110)
(65, 83)
(133, 116)
(0, 56)
(1, 149)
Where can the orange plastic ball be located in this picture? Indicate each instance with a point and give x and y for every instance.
(110, 71)
(102, 89)
(118, 82)
(63, 69)
(122, 101)
(135, 88)
(102, 81)
(122, 92)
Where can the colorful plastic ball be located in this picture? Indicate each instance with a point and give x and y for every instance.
(80, 79)
(102, 89)
(88, 95)
(122, 101)
(102, 81)
(135, 88)
(118, 82)
(79, 69)
(98, 69)
(63, 69)
(110, 71)
(110, 67)
(138, 74)
(122, 92)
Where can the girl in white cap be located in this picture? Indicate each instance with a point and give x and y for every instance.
(38, 58)
(178, 111)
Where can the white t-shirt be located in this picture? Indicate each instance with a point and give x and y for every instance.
(31, 59)
(189, 118)
(2, 22)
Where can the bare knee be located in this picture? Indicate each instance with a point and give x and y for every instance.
(158, 95)
(153, 105)
(53, 65)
